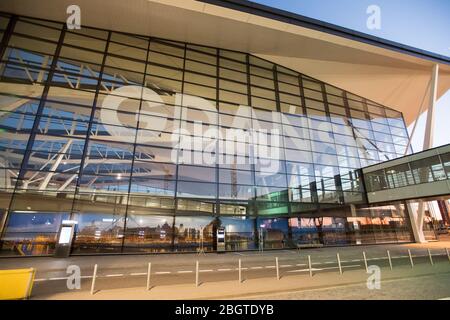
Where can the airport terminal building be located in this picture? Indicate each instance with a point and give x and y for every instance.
(152, 139)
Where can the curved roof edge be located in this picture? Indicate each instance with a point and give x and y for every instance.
(318, 25)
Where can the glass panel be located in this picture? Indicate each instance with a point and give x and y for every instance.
(148, 233)
(31, 233)
(273, 232)
(193, 233)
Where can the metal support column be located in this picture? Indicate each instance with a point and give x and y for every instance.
(429, 128)
(416, 217)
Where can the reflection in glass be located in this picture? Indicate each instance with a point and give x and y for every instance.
(168, 131)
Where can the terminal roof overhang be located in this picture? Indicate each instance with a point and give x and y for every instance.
(385, 72)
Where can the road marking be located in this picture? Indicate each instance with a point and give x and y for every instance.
(241, 254)
(162, 272)
(138, 274)
(448, 298)
(223, 269)
(38, 280)
(321, 269)
(304, 270)
(207, 270)
(60, 278)
(300, 265)
(115, 275)
(256, 267)
(286, 265)
(350, 266)
(187, 271)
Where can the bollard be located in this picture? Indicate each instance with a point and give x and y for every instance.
(365, 261)
(94, 276)
(240, 271)
(278, 269)
(431, 258)
(310, 268)
(389, 258)
(339, 262)
(149, 272)
(448, 255)
(196, 274)
(410, 258)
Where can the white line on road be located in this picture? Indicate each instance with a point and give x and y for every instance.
(304, 270)
(207, 270)
(187, 271)
(256, 267)
(223, 269)
(162, 272)
(286, 265)
(57, 278)
(321, 269)
(115, 275)
(138, 274)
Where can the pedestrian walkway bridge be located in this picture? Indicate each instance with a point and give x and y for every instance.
(421, 175)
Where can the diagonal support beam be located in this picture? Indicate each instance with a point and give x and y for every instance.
(55, 165)
(429, 128)
(416, 220)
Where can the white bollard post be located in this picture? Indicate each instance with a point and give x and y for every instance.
(278, 269)
(431, 258)
(448, 254)
(196, 273)
(94, 276)
(339, 262)
(310, 266)
(149, 272)
(240, 271)
(410, 258)
(365, 261)
(389, 258)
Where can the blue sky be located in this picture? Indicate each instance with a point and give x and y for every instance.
(423, 24)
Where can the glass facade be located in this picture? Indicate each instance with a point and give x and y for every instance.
(152, 144)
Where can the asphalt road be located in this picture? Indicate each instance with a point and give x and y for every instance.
(432, 287)
(168, 269)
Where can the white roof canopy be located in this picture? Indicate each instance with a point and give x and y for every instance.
(397, 79)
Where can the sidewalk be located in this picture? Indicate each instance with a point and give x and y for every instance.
(254, 287)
